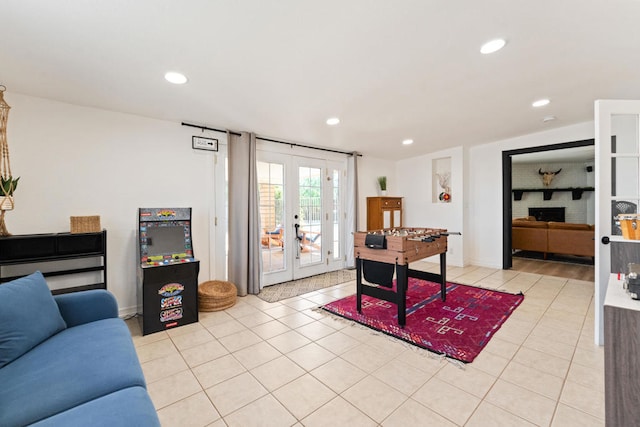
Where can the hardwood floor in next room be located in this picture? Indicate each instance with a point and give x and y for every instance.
(553, 268)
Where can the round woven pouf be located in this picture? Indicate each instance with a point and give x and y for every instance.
(216, 295)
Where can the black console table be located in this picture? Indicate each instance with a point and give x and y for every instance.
(38, 248)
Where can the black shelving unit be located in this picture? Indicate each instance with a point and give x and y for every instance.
(39, 248)
(547, 193)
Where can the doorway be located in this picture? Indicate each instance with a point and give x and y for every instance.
(302, 212)
(508, 193)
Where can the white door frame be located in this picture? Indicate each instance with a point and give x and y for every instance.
(291, 161)
(604, 109)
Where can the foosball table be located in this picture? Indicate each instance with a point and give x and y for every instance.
(381, 254)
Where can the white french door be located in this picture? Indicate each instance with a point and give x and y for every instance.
(617, 191)
(302, 216)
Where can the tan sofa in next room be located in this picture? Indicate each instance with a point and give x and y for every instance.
(553, 237)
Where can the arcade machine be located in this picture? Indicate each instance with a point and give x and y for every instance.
(168, 272)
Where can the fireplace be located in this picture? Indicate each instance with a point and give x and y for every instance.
(547, 214)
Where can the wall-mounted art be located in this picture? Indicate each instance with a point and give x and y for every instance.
(441, 182)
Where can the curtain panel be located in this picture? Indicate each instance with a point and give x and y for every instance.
(245, 261)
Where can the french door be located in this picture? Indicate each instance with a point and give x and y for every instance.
(617, 192)
(302, 212)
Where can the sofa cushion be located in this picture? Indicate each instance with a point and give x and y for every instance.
(529, 224)
(526, 218)
(28, 316)
(82, 307)
(72, 367)
(125, 408)
(569, 226)
(529, 239)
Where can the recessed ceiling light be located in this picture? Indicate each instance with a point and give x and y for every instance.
(493, 46)
(540, 103)
(407, 142)
(333, 121)
(546, 119)
(175, 78)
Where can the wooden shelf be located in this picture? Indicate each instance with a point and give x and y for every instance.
(547, 193)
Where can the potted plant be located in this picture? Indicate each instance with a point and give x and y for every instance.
(7, 186)
(382, 182)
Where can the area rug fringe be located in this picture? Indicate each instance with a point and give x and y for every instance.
(486, 288)
(423, 352)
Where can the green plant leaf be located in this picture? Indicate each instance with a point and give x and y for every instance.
(9, 185)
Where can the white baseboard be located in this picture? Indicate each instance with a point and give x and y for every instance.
(127, 311)
(479, 262)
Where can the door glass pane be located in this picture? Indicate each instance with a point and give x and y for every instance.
(625, 176)
(336, 215)
(625, 167)
(624, 129)
(271, 189)
(310, 214)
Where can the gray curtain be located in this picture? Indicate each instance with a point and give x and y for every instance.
(352, 208)
(245, 266)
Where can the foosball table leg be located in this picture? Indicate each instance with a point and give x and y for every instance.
(402, 283)
(359, 285)
(443, 276)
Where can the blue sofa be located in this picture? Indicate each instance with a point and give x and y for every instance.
(67, 360)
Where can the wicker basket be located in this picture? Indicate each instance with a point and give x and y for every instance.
(216, 295)
(85, 224)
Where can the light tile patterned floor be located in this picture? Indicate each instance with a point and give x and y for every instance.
(284, 364)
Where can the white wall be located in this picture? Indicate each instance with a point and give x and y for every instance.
(76, 160)
(573, 175)
(415, 177)
(485, 188)
(369, 169)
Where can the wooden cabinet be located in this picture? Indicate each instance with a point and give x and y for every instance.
(621, 349)
(384, 212)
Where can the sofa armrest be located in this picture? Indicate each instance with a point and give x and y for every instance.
(82, 307)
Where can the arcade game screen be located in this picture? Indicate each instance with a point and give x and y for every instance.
(166, 240)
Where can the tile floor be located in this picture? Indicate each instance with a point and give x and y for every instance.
(284, 364)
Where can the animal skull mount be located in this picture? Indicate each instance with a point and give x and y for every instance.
(547, 177)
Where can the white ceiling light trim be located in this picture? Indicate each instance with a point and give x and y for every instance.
(175, 78)
(407, 142)
(540, 102)
(332, 121)
(493, 46)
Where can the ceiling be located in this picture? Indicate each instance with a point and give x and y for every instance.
(585, 154)
(390, 70)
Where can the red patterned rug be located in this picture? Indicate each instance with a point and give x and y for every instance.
(460, 327)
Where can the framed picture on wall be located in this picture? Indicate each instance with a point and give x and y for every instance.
(202, 143)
